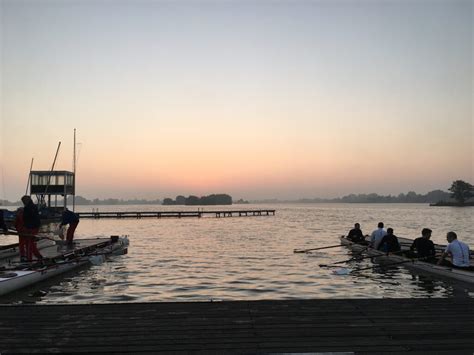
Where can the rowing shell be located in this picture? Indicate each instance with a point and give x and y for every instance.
(418, 265)
(15, 278)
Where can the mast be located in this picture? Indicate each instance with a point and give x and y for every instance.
(74, 173)
(29, 176)
(51, 173)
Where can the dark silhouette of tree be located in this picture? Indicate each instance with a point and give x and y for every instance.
(214, 199)
(193, 201)
(180, 200)
(461, 191)
(168, 201)
(435, 196)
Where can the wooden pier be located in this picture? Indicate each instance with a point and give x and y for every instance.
(338, 326)
(177, 214)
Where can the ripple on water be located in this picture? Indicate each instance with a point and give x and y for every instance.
(252, 258)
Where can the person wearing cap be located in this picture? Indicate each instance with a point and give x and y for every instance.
(457, 250)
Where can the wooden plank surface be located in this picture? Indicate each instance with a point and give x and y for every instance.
(444, 326)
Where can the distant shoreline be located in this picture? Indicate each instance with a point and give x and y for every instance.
(452, 204)
(433, 198)
(437, 204)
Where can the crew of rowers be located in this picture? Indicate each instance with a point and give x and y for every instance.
(421, 248)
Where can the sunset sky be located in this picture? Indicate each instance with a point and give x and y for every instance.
(258, 99)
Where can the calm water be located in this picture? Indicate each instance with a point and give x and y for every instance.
(252, 258)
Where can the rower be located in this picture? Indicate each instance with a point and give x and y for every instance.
(377, 235)
(458, 251)
(424, 246)
(389, 243)
(355, 234)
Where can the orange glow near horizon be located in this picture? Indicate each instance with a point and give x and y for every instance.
(348, 99)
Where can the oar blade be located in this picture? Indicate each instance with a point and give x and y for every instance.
(97, 259)
(342, 271)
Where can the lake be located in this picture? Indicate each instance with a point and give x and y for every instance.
(250, 258)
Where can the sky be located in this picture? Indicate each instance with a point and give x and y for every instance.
(257, 99)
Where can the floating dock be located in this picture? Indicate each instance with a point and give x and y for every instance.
(338, 326)
(177, 214)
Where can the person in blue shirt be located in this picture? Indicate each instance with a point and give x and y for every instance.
(377, 235)
(72, 219)
(458, 251)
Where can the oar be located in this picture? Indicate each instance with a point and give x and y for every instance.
(306, 250)
(346, 271)
(345, 261)
(11, 232)
(363, 250)
(436, 245)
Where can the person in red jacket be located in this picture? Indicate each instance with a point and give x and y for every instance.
(31, 225)
(20, 228)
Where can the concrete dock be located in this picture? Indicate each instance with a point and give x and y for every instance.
(359, 326)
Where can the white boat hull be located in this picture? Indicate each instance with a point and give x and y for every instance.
(12, 279)
(25, 278)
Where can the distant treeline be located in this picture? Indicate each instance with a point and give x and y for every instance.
(224, 199)
(215, 199)
(410, 197)
(84, 201)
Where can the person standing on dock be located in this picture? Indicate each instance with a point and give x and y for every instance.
(72, 219)
(377, 235)
(19, 225)
(458, 251)
(3, 225)
(31, 225)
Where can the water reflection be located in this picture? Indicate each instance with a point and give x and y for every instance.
(250, 258)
